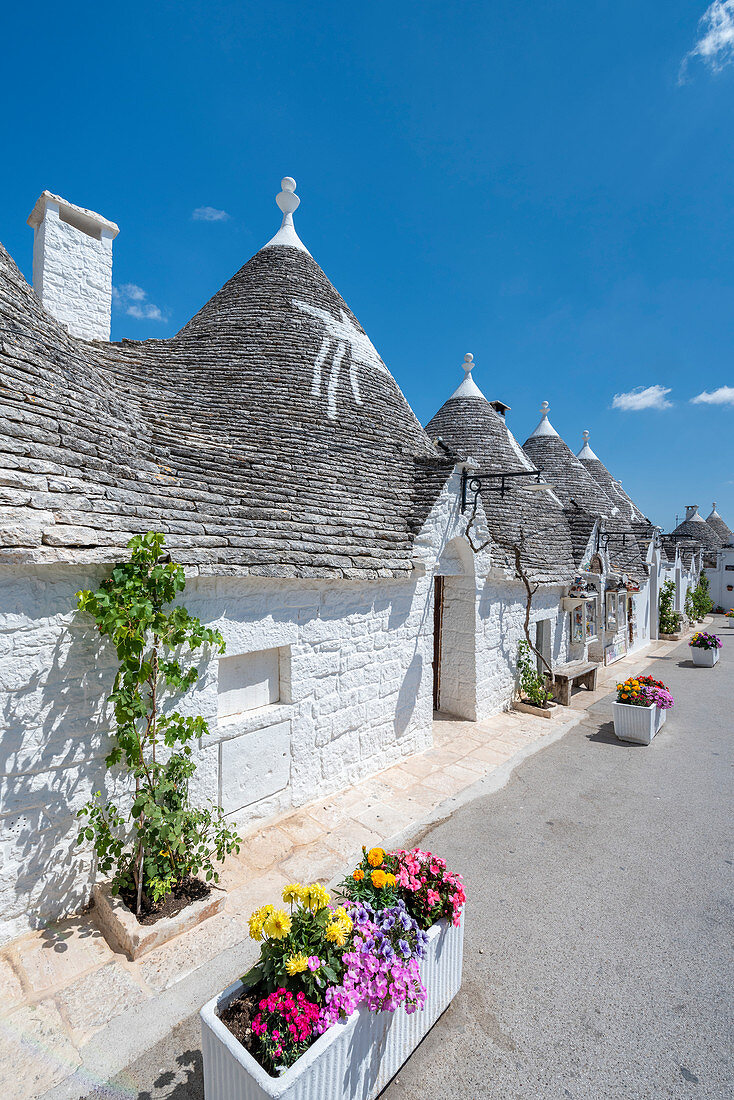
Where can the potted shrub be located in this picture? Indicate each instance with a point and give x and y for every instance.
(701, 598)
(640, 709)
(341, 994)
(669, 621)
(729, 616)
(159, 848)
(705, 649)
(535, 696)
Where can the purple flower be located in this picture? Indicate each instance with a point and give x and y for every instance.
(314, 962)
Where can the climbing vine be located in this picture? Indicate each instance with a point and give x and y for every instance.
(163, 840)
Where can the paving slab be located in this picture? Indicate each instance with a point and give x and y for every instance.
(57, 955)
(96, 998)
(37, 1051)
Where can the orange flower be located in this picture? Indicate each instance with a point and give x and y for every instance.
(358, 874)
(379, 878)
(375, 857)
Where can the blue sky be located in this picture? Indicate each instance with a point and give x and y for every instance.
(548, 186)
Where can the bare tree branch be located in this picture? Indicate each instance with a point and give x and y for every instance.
(530, 590)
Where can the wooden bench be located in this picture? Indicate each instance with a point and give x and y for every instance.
(582, 673)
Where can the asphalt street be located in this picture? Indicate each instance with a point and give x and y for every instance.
(598, 956)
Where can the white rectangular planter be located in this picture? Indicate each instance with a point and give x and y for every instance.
(638, 724)
(353, 1060)
(704, 658)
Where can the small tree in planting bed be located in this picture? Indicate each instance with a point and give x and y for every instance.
(669, 620)
(170, 840)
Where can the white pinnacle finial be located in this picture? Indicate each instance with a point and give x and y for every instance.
(288, 201)
(586, 451)
(468, 387)
(544, 427)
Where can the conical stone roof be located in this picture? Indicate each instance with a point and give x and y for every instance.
(584, 499)
(574, 484)
(694, 526)
(533, 520)
(267, 436)
(613, 488)
(720, 528)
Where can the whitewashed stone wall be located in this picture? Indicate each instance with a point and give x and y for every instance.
(721, 579)
(72, 273)
(355, 696)
(500, 618)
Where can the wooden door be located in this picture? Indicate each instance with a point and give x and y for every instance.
(437, 625)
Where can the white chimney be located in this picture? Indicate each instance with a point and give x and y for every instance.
(72, 265)
(691, 510)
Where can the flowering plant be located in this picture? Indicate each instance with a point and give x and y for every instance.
(373, 879)
(643, 691)
(376, 973)
(301, 948)
(389, 931)
(285, 1027)
(702, 640)
(430, 890)
(319, 961)
(730, 614)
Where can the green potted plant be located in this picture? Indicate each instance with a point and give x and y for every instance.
(535, 696)
(158, 847)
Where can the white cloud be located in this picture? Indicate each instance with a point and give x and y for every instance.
(131, 299)
(723, 396)
(650, 397)
(209, 214)
(715, 45)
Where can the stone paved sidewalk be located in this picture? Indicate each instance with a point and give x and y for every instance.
(61, 987)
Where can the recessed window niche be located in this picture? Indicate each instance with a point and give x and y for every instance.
(248, 681)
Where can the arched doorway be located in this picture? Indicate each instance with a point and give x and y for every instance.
(454, 632)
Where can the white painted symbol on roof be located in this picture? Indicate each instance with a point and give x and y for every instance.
(340, 332)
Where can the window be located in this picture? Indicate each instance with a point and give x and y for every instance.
(248, 681)
(583, 621)
(590, 608)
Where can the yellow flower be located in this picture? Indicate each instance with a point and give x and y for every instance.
(296, 964)
(390, 879)
(256, 924)
(315, 897)
(292, 892)
(342, 917)
(375, 857)
(379, 878)
(277, 924)
(358, 874)
(336, 933)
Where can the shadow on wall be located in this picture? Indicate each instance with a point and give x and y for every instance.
(408, 694)
(55, 721)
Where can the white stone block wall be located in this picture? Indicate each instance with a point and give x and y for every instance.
(500, 618)
(356, 696)
(72, 271)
